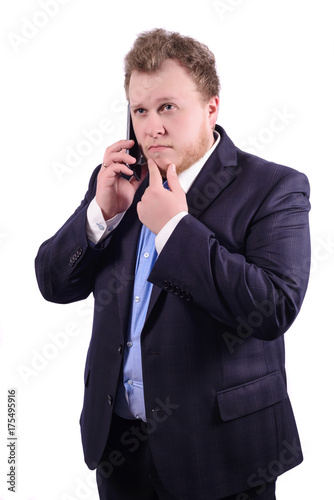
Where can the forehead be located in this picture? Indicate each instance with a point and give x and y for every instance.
(171, 80)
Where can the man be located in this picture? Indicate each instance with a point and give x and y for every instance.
(198, 269)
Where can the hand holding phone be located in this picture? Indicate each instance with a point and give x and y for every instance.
(113, 194)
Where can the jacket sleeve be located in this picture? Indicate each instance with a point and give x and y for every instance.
(258, 291)
(66, 262)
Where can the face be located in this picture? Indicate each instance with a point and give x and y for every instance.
(170, 120)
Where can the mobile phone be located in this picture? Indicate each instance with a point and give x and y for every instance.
(135, 150)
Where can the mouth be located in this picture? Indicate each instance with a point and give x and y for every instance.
(158, 148)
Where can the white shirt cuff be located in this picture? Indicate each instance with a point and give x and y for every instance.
(164, 234)
(96, 227)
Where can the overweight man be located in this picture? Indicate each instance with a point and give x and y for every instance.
(198, 266)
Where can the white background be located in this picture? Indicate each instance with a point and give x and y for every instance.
(62, 75)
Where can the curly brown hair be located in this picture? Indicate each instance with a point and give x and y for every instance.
(152, 48)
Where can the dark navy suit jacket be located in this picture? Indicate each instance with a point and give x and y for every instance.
(227, 285)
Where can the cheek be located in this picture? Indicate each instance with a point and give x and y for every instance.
(189, 127)
(139, 135)
(183, 132)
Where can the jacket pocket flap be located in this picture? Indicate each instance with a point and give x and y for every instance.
(251, 397)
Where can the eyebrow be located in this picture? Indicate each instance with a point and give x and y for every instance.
(157, 101)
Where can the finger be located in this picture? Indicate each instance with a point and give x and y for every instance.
(121, 157)
(172, 179)
(155, 176)
(120, 145)
(115, 169)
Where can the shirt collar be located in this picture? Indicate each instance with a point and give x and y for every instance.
(187, 177)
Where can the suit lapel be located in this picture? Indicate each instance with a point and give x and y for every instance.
(156, 291)
(216, 175)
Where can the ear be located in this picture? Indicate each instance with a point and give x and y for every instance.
(213, 108)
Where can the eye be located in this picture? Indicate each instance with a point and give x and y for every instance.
(139, 111)
(167, 107)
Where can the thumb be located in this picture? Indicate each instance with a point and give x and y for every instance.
(172, 178)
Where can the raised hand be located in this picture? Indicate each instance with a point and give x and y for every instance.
(158, 205)
(114, 194)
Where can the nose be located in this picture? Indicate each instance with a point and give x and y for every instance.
(154, 125)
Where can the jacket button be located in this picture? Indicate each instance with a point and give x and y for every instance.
(120, 349)
(155, 410)
(166, 285)
(110, 400)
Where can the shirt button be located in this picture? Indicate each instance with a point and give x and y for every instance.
(146, 255)
(129, 344)
(100, 226)
(137, 299)
(130, 382)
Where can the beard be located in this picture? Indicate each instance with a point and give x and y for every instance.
(194, 152)
(190, 154)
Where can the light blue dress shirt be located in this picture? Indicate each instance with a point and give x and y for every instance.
(129, 401)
